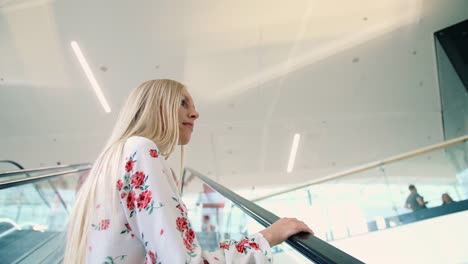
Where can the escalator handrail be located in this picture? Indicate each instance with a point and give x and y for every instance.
(311, 247)
(36, 187)
(41, 169)
(32, 179)
(14, 163)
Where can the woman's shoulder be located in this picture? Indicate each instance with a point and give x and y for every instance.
(138, 142)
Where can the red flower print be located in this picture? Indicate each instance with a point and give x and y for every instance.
(253, 245)
(224, 245)
(104, 224)
(131, 201)
(138, 178)
(190, 235)
(181, 208)
(188, 245)
(161, 232)
(122, 195)
(119, 184)
(129, 228)
(205, 261)
(240, 248)
(129, 165)
(132, 235)
(144, 199)
(153, 153)
(152, 256)
(181, 224)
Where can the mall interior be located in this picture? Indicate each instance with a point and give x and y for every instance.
(324, 111)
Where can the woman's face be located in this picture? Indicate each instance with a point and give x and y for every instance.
(187, 116)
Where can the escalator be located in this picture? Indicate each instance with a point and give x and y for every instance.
(357, 215)
(34, 208)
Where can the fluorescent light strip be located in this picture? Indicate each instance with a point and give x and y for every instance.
(292, 155)
(85, 66)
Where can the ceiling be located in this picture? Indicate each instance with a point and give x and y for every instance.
(357, 80)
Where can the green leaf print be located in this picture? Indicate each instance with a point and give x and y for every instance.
(110, 260)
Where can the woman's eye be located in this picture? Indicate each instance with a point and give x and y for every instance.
(183, 103)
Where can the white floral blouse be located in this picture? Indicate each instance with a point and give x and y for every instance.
(152, 225)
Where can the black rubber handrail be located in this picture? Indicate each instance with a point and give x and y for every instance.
(41, 169)
(311, 247)
(16, 164)
(33, 179)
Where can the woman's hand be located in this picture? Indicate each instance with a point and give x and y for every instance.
(280, 230)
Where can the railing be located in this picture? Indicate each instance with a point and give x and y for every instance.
(27, 173)
(22, 171)
(33, 179)
(14, 163)
(370, 205)
(311, 247)
(370, 165)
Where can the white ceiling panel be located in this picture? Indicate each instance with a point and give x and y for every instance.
(357, 79)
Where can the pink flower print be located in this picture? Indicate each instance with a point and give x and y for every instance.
(131, 200)
(152, 257)
(144, 199)
(153, 153)
(161, 232)
(190, 235)
(129, 228)
(224, 245)
(181, 224)
(122, 195)
(104, 224)
(181, 208)
(119, 185)
(188, 245)
(138, 178)
(240, 248)
(253, 245)
(129, 165)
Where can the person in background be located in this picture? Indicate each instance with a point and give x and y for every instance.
(446, 199)
(415, 201)
(206, 225)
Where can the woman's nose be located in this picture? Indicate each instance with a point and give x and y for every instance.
(194, 114)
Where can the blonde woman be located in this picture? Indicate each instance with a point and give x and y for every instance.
(129, 209)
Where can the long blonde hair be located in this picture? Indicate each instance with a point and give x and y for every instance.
(150, 111)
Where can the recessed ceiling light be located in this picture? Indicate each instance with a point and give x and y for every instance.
(292, 155)
(89, 74)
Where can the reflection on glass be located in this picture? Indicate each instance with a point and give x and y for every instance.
(41, 206)
(216, 219)
(351, 211)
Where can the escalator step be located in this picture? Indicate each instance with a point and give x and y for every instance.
(18, 243)
(5, 227)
